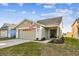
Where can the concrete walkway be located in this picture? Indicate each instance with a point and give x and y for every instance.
(12, 42)
(45, 41)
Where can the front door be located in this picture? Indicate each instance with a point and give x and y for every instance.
(53, 33)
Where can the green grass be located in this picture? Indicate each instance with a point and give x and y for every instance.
(22, 49)
(69, 48)
(71, 41)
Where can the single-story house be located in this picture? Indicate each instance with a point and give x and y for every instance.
(7, 30)
(75, 29)
(47, 28)
(51, 28)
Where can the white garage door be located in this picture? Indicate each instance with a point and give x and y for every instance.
(26, 34)
(3, 33)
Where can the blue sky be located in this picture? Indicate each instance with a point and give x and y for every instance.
(15, 13)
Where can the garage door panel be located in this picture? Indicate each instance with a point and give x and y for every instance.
(25, 34)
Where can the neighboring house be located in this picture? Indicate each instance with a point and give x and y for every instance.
(50, 28)
(75, 29)
(26, 30)
(7, 30)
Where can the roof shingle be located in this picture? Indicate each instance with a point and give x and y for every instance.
(51, 21)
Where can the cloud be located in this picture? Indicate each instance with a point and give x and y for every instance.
(47, 14)
(23, 12)
(5, 4)
(49, 5)
(58, 12)
(65, 11)
(78, 9)
(33, 12)
(69, 4)
(38, 4)
(21, 4)
(10, 10)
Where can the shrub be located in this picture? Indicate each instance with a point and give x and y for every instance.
(37, 39)
(57, 41)
(43, 39)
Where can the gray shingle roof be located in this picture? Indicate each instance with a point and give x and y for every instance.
(51, 21)
(8, 25)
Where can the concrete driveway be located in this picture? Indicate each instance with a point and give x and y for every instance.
(12, 42)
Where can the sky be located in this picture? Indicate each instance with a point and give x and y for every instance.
(17, 12)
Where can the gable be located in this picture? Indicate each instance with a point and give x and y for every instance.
(25, 23)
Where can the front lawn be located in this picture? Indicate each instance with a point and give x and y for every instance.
(24, 49)
(69, 48)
